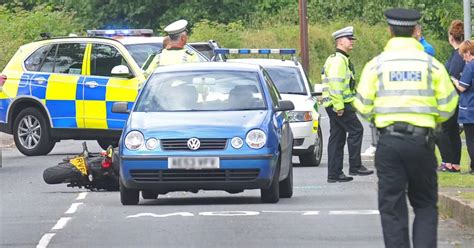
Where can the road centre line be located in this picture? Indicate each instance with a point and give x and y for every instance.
(354, 212)
(254, 213)
(73, 208)
(44, 241)
(81, 196)
(61, 223)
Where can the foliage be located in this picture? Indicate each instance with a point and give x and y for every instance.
(20, 26)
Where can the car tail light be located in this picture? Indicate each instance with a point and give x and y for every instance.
(106, 163)
(3, 79)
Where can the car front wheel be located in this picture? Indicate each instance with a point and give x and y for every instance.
(272, 194)
(128, 196)
(314, 157)
(31, 133)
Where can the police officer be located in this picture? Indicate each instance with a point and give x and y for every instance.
(174, 52)
(338, 94)
(406, 92)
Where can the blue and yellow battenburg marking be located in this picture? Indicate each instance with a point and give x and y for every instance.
(282, 51)
(70, 102)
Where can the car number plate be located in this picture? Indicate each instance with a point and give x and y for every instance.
(193, 163)
(80, 164)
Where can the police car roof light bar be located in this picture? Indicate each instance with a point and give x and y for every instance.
(267, 51)
(119, 32)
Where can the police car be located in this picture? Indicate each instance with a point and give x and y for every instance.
(235, 134)
(293, 84)
(64, 88)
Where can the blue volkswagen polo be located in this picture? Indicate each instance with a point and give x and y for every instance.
(206, 126)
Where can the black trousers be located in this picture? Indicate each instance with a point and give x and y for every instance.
(469, 131)
(407, 164)
(340, 126)
(449, 140)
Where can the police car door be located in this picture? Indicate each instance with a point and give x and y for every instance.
(60, 87)
(101, 89)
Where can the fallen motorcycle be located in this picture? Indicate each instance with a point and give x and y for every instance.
(94, 171)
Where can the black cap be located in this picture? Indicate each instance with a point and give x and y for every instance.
(402, 17)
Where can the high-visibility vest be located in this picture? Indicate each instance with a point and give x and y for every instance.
(336, 78)
(177, 56)
(404, 84)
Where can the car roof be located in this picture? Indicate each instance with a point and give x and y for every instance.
(125, 40)
(266, 62)
(207, 66)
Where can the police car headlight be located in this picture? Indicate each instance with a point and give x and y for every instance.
(256, 139)
(237, 142)
(134, 140)
(300, 116)
(151, 143)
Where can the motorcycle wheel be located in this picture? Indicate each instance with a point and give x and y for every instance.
(60, 173)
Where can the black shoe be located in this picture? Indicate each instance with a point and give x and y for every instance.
(341, 178)
(361, 171)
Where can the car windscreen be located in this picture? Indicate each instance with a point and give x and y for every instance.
(288, 80)
(140, 52)
(202, 91)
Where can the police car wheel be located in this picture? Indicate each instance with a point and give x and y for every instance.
(31, 133)
(105, 143)
(314, 158)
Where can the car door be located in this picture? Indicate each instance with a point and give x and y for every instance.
(57, 81)
(101, 89)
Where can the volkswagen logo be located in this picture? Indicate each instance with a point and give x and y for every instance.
(194, 144)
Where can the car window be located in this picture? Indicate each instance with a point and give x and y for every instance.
(140, 52)
(273, 90)
(104, 58)
(288, 80)
(34, 61)
(202, 91)
(69, 57)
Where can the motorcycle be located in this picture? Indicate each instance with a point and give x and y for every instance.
(93, 171)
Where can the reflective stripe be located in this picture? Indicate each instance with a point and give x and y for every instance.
(380, 72)
(336, 79)
(430, 72)
(448, 98)
(363, 100)
(445, 114)
(429, 92)
(336, 92)
(411, 59)
(347, 96)
(414, 109)
(366, 116)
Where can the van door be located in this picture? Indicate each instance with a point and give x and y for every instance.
(101, 89)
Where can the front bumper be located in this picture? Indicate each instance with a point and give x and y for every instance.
(235, 173)
(304, 135)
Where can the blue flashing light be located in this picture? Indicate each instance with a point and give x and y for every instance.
(120, 32)
(284, 51)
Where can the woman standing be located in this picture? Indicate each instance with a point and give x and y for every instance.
(449, 141)
(466, 99)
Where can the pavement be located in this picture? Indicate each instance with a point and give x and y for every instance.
(450, 204)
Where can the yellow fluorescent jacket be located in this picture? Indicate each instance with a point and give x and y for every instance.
(405, 84)
(336, 77)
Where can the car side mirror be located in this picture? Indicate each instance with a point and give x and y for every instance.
(120, 108)
(120, 71)
(317, 90)
(285, 105)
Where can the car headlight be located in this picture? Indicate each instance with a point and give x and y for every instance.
(237, 142)
(151, 143)
(134, 140)
(300, 116)
(256, 139)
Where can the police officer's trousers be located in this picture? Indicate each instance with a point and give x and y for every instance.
(339, 127)
(407, 164)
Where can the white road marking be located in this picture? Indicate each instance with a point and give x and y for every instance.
(354, 212)
(44, 241)
(282, 211)
(73, 208)
(61, 223)
(81, 196)
(184, 214)
(311, 213)
(230, 213)
(369, 152)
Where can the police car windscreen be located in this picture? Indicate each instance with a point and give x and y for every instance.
(288, 80)
(201, 91)
(140, 52)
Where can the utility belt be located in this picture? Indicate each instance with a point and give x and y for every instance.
(403, 128)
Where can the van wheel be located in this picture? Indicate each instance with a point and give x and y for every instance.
(314, 158)
(105, 143)
(31, 133)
